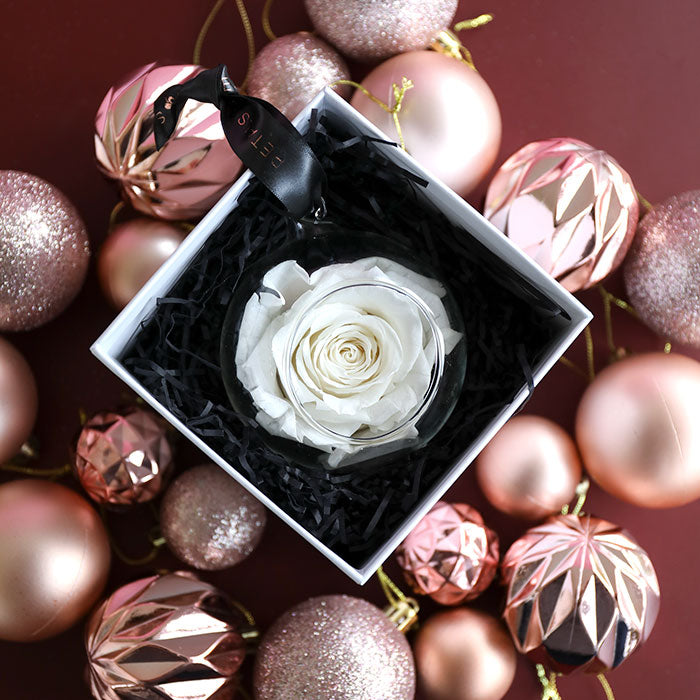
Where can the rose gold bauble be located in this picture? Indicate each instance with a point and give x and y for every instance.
(291, 70)
(450, 555)
(132, 253)
(638, 429)
(464, 654)
(168, 636)
(530, 469)
(54, 559)
(662, 269)
(336, 647)
(44, 251)
(194, 168)
(18, 400)
(569, 206)
(449, 120)
(123, 458)
(368, 30)
(581, 594)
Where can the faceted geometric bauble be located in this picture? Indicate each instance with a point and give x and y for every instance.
(169, 636)
(189, 174)
(450, 555)
(581, 594)
(123, 458)
(662, 269)
(569, 206)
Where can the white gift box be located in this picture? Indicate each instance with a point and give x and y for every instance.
(113, 342)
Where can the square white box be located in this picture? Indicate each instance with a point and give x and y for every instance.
(112, 343)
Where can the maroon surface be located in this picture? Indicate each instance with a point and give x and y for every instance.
(621, 75)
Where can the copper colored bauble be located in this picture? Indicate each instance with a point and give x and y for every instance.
(54, 559)
(581, 594)
(638, 429)
(123, 458)
(450, 120)
(18, 400)
(291, 70)
(662, 269)
(44, 251)
(464, 654)
(569, 206)
(335, 647)
(209, 520)
(132, 253)
(168, 636)
(368, 30)
(450, 555)
(530, 469)
(189, 174)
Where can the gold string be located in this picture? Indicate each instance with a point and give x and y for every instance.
(399, 93)
(197, 53)
(606, 686)
(572, 366)
(30, 471)
(644, 201)
(402, 610)
(113, 215)
(392, 592)
(475, 22)
(590, 357)
(667, 347)
(549, 684)
(267, 28)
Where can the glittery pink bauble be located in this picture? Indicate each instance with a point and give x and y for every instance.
(189, 174)
(450, 555)
(662, 269)
(368, 30)
(165, 637)
(334, 646)
(291, 70)
(123, 458)
(209, 520)
(44, 251)
(569, 206)
(450, 119)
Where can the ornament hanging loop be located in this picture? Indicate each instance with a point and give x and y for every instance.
(402, 610)
(448, 42)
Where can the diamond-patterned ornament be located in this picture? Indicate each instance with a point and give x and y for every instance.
(450, 555)
(123, 458)
(168, 636)
(581, 594)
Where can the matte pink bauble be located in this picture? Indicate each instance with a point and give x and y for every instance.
(450, 120)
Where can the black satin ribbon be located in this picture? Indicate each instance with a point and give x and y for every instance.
(260, 135)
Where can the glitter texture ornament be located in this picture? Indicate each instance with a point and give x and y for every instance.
(189, 174)
(569, 206)
(450, 555)
(123, 458)
(169, 636)
(291, 70)
(581, 594)
(336, 647)
(44, 251)
(662, 269)
(209, 520)
(368, 30)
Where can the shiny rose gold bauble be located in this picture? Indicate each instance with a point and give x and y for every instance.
(368, 30)
(581, 594)
(662, 269)
(123, 458)
(291, 70)
(44, 251)
(638, 429)
(450, 119)
(335, 647)
(464, 654)
(18, 400)
(54, 559)
(132, 253)
(170, 636)
(189, 174)
(450, 555)
(210, 521)
(569, 206)
(530, 469)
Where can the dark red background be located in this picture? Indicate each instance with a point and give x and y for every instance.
(621, 75)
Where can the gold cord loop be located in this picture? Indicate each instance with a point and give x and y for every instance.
(402, 610)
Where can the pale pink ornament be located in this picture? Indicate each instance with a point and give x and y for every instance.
(569, 206)
(194, 168)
